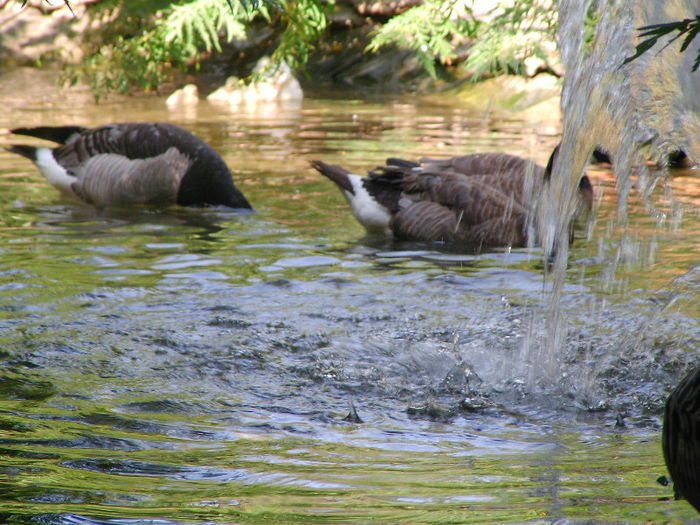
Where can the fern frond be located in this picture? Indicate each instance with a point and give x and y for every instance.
(306, 21)
(198, 22)
(432, 30)
(517, 30)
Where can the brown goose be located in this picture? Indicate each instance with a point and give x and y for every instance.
(480, 199)
(132, 163)
(680, 439)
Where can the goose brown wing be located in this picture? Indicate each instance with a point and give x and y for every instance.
(112, 179)
(481, 212)
(481, 164)
(474, 198)
(474, 164)
(133, 140)
(430, 221)
(424, 221)
(500, 171)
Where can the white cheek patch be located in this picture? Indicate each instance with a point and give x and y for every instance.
(372, 215)
(53, 171)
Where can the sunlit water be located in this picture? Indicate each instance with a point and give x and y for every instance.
(198, 366)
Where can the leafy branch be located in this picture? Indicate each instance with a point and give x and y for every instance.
(145, 40)
(143, 44)
(432, 30)
(306, 21)
(518, 30)
(690, 27)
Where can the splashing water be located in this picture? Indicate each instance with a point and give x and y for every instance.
(645, 108)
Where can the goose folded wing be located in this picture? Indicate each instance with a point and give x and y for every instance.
(431, 222)
(492, 164)
(474, 198)
(131, 140)
(424, 221)
(112, 179)
(480, 212)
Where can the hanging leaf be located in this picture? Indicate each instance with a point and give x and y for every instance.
(690, 27)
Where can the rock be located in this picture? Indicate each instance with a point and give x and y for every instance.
(184, 97)
(39, 31)
(536, 98)
(228, 90)
(272, 86)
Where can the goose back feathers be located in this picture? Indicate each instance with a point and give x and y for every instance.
(132, 163)
(482, 199)
(680, 438)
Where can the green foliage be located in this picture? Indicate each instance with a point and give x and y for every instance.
(142, 44)
(690, 27)
(147, 39)
(517, 30)
(432, 30)
(589, 26)
(193, 25)
(306, 21)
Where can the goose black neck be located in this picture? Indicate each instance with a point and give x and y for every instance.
(550, 163)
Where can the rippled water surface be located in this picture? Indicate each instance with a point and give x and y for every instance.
(211, 366)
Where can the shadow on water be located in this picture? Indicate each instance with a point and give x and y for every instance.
(209, 366)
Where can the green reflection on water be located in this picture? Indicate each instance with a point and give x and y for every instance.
(188, 364)
(263, 479)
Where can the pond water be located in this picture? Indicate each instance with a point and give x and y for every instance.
(200, 365)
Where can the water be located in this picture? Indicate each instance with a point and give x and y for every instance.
(198, 366)
(638, 112)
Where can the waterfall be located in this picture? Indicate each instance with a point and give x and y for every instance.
(643, 109)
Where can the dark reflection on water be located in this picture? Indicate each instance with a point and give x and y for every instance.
(198, 365)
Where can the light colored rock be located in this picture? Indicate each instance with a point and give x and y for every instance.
(535, 98)
(186, 96)
(229, 90)
(273, 86)
(40, 31)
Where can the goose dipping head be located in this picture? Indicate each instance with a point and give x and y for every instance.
(482, 199)
(151, 163)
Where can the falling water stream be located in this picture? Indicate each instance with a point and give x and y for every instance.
(644, 109)
(191, 366)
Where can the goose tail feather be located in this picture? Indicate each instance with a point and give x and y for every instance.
(59, 134)
(24, 150)
(337, 174)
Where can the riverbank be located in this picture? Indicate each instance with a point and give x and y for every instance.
(41, 35)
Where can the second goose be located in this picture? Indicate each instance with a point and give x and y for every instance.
(481, 199)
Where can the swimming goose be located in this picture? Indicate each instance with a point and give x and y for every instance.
(132, 163)
(680, 439)
(480, 199)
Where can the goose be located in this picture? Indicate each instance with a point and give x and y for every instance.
(132, 163)
(680, 439)
(480, 199)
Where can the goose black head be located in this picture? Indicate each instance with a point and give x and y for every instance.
(585, 187)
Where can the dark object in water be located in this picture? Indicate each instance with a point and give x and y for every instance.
(681, 438)
(132, 163)
(479, 199)
(353, 416)
(675, 159)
